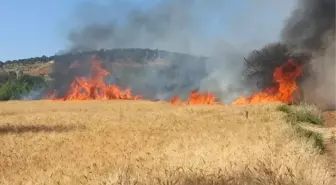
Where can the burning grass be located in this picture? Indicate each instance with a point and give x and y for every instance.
(94, 88)
(284, 77)
(143, 142)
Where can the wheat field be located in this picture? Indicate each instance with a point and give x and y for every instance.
(141, 142)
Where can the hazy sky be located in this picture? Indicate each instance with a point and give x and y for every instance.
(31, 28)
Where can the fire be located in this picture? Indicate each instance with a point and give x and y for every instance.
(285, 76)
(176, 100)
(195, 98)
(94, 88)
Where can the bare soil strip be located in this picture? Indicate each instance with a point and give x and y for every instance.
(330, 139)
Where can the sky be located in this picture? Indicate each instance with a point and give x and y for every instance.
(34, 28)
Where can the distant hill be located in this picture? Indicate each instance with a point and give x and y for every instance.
(118, 57)
(155, 73)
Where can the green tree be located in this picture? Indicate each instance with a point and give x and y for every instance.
(13, 88)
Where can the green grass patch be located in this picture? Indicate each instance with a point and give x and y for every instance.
(308, 117)
(302, 114)
(308, 114)
(317, 138)
(284, 108)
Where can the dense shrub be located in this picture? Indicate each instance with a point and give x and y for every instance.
(13, 88)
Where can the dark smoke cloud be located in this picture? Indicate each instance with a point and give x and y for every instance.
(309, 24)
(309, 37)
(311, 29)
(66, 68)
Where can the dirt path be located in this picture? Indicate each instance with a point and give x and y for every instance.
(328, 132)
(330, 118)
(330, 137)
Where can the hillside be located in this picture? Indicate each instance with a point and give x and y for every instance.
(126, 57)
(155, 74)
(142, 142)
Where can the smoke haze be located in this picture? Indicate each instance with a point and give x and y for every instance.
(224, 31)
(309, 24)
(311, 29)
(191, 26)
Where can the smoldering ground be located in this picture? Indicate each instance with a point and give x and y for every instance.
(226, 33)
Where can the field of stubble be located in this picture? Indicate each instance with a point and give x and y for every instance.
(139, 142)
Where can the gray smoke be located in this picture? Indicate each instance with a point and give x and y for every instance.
(309, 24)
(166, 24)
(311, 29)
(224, 32)
(191, 26)
(169, 25)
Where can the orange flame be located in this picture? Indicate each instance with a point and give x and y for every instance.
(176, 100)
(285, 76)
(94, 88)
(195, 98)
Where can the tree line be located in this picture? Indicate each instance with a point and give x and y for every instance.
(135, 54)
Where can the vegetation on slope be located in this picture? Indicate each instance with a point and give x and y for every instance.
(136, 55)
(12, 88)
(128, 67)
